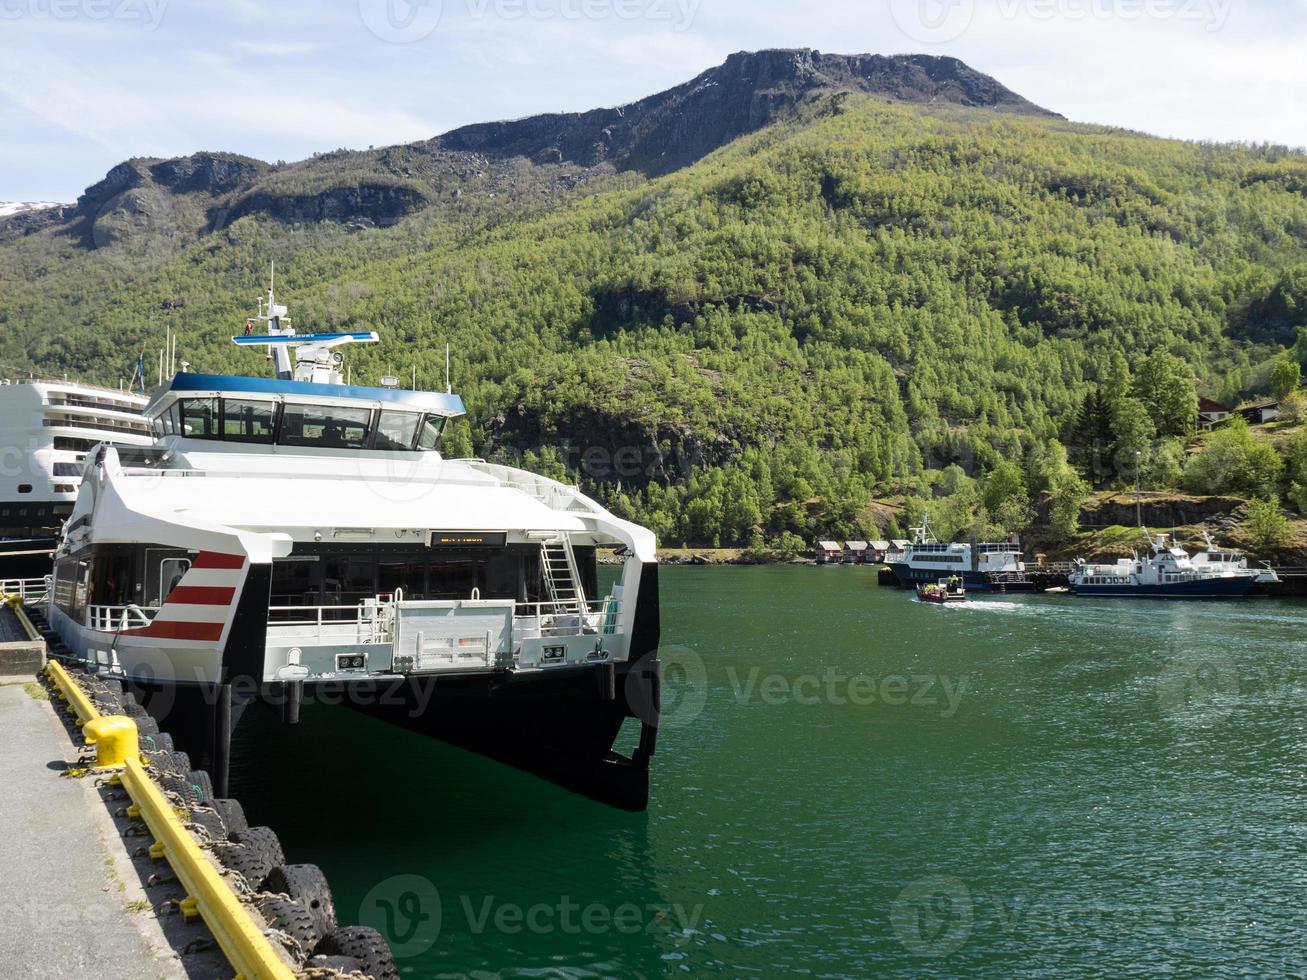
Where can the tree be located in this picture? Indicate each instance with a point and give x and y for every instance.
(1165, 384)
(1006, 500)
(1165, 466)
(1233, 460)
(1066, 496)
(1285, 377)
(1089, 437)
(1300, 347)
(1266, 525)
(1132, 435)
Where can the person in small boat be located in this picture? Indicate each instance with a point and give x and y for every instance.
(954, 583)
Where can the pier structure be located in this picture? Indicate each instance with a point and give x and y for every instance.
(123, 863)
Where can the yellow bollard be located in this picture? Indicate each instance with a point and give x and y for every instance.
(115, 740)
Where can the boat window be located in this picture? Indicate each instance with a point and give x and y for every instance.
(159, 432)
(248, 421)
(171, 571)
(199, 418)
(429, 437)
(396, 430)
(67, 469)
(175, 418)
(325, 426)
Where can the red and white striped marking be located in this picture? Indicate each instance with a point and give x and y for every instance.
(200, 605)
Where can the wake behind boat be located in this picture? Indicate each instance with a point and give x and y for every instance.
(287, 533)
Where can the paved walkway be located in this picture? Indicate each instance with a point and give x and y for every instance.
(66, 879)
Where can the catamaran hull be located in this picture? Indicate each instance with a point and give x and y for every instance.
(559, 725)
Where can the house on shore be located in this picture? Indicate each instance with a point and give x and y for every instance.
(855, 552)
(1261, 412)
(829, 553)
(1210, 413)
(877, 550)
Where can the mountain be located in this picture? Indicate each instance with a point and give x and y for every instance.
(673, 129)
(867, 299)
(165, 200)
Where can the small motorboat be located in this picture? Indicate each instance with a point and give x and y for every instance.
(943, 591)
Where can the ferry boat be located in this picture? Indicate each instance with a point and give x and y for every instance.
(1167, 572)
(1216, 560)
(46, 429)
(983, 566)
(295, 535)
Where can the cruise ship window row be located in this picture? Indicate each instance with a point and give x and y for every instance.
(96, 403)
(99, 425)
(303, 425)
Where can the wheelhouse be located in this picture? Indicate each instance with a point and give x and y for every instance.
(300, 415)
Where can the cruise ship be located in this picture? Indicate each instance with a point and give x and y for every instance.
(982, 566)
(296, 536)
(46, 429)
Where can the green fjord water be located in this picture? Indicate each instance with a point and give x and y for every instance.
(852, 783)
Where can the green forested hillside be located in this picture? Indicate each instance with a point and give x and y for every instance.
(870, 299)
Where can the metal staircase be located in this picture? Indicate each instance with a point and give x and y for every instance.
(562, 580)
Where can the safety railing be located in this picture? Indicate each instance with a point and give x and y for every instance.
(236, 932)
(32, 591)
(327, 625)
(600, 617)
(115, 619)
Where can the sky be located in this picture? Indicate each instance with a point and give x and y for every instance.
(85, 84)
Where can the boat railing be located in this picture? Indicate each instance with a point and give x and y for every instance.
(115, 619)
(372, 620)
(551, 493)
(32, 591)
(360, 623)
(598, 616)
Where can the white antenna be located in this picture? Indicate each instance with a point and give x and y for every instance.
(160, 365)
(448, 388)
(415, 377)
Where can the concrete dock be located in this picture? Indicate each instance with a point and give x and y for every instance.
(75, 901)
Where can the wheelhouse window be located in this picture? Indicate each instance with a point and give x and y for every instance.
(429, 436)
(396, 430)
(325, 426)
(199, 418)
(248, 421)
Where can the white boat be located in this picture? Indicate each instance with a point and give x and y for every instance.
(46, 429)
(990, 566)
(1218, 561)
(295, 534)
(1167, 572)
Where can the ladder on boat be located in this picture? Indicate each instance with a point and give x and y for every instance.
(562, 579)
